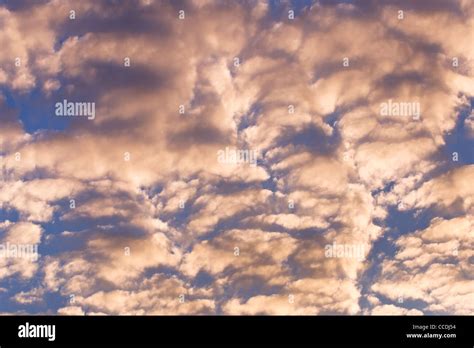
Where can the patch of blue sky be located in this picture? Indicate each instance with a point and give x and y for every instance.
(250, 118)
(277, 7)
(270, 184)
(35, 110)
(50, 302)
(11, 215)
(460, 141)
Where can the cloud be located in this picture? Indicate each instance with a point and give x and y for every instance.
(394, 310)
(252, 245)
(155, 296)
(19, 249)
(432, 266)
(451, 191)
(157, 216)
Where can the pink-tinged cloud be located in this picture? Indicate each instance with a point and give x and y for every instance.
(239, 161)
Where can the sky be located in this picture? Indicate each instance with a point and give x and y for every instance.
(237, 157)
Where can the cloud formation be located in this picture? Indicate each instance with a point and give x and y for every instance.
(134, 212)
